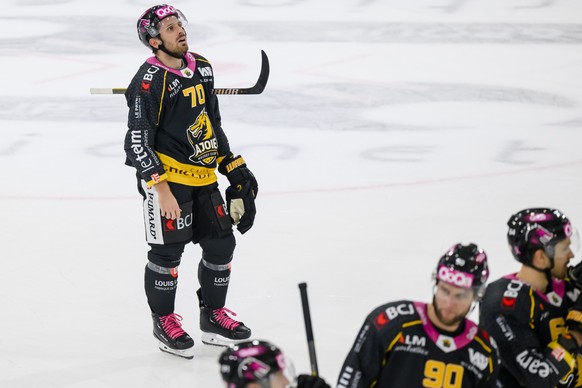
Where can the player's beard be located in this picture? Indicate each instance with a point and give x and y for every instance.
(178, 50)
(452, 321)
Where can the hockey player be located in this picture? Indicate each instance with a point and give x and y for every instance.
(408, 344)
(260, 364)
(176, 142)
(526, 311)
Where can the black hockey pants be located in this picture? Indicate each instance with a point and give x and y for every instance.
(204, 221)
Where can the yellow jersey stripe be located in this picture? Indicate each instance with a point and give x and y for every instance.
(162, 97)
(531, 312)
(389, 348)
(487, 348)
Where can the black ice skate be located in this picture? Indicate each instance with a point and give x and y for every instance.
(172, 339)
(218, 328)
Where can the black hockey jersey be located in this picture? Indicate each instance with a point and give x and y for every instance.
(399, 347)
(525, 324)
(174, 127)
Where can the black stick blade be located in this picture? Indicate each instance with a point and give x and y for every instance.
(258, 87)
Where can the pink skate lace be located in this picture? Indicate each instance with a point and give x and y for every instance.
(223, 319)
(172, 326)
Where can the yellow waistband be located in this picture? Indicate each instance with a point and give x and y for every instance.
(187, 174)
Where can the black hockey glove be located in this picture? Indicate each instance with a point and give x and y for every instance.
(241, 194)
(566, 341)
(307, 381)
(574, 317)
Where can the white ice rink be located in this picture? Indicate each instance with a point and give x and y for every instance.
(389, 130)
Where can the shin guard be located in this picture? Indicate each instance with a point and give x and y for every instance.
(214, 270)
(160, 287)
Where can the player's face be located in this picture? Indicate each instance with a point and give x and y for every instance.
(173, 35)
(451, 303)
(562, 256)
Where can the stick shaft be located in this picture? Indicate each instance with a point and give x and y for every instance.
(308, 329)
(255, 89)
(107, 90)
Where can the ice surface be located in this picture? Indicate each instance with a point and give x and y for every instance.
(389, 130)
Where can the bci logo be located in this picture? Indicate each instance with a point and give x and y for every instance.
(513, 288)
(402, 309)
(178, 224)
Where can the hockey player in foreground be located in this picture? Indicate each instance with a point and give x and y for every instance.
(409, 344)
(260, 364)
(176, 142)
(527, 312)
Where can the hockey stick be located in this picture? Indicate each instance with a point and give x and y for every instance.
(256, 89)
(308, 329)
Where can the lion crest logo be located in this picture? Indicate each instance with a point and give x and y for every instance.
(203, 141)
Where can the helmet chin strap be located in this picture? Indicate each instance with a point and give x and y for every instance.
(549, 272)
(546, 271)
(542, 270)
(164, 49)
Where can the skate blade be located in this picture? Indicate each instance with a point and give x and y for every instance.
(218, 340)
(184, 353)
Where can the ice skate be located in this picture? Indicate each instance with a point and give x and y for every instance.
(172, 338)
(218, 328)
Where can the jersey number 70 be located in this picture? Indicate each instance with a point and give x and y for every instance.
(195, 93)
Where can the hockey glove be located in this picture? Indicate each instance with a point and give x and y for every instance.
(565, 348)
(241, 194)
(574, 318)
(307, 381)
(566, 341)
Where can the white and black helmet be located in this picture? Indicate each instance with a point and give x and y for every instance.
(537, 228)
(463, 266)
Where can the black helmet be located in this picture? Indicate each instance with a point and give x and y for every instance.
(538, 228)
(463, 266)
(251, 362)
(147, 24)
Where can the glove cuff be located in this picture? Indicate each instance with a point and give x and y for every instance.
(230, 163)
(565, 348)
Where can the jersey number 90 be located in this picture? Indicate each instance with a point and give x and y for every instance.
(437, 374)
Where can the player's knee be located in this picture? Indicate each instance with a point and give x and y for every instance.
(218, 250)
(167, 256)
